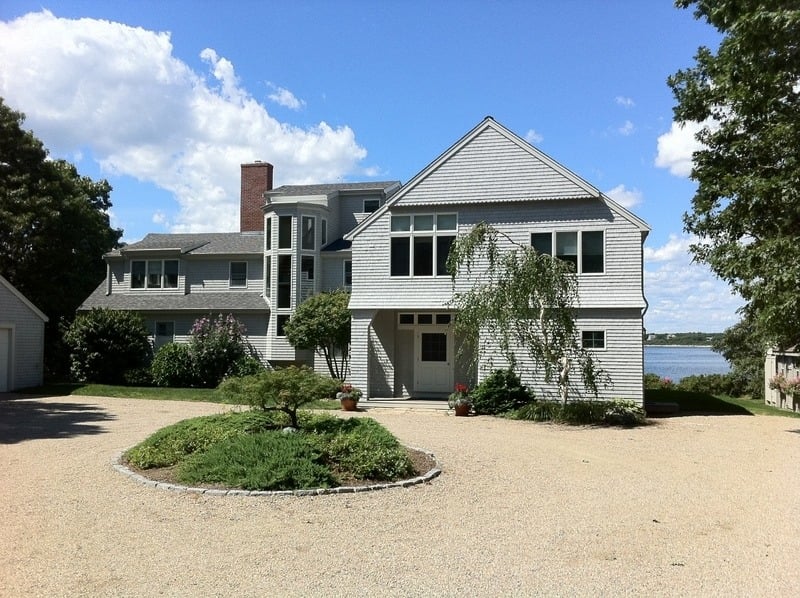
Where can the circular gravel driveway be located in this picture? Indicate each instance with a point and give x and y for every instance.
(688, 506)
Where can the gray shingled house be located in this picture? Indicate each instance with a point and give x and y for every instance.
(388, 244)
(21, 340)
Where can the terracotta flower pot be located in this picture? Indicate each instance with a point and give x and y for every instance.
(462, 410)
(348, 404)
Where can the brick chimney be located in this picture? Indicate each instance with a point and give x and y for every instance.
(256, 179)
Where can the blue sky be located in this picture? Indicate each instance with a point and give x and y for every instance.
(166, 98)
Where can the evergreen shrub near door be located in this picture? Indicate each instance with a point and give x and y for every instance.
(502, 391)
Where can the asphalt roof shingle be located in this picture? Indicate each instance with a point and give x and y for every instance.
(199, 243)
(176, 301)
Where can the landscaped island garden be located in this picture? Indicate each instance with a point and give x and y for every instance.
(256, 450)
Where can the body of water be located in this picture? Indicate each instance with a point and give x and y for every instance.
(678, 362)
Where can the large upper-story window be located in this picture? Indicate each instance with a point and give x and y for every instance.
(420, 243)
(583, 249)
(268, 233)
(238, 274)
(371, 205)
(154, 274)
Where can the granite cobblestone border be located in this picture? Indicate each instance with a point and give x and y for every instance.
(432, 473)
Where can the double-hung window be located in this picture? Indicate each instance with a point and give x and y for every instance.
(420, 243)
(583, 249)
(154, 274)
(238, 275)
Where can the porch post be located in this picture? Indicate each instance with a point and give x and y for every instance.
(360, 324)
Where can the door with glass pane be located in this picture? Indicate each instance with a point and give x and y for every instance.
(433, 363)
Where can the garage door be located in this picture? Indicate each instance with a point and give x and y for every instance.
(5, 359)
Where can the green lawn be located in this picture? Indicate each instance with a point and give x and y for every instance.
(209, 395)
(697, 402)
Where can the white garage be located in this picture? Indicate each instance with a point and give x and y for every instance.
(21, 340)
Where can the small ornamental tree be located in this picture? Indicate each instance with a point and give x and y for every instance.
(285, 389)
(104, 344)
(520, 300)
(322, 323)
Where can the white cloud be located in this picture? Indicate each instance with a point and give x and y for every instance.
(684, 296)
(675, 248)
(119, 92)
(676, 147)
(626, 129)
(624, 196)
(624, 102)
(533, 137)
(284, 97)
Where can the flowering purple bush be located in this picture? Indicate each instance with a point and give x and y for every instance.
(216, 345)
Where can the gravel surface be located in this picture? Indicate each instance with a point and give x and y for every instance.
(689, 506)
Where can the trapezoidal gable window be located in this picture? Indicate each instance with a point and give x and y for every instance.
(585, 250)
(420, 243)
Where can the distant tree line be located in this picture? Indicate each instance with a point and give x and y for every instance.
(684, 338)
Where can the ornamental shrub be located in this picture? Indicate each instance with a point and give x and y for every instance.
(104, 344)
(172, 366)
(283, 389)
(501, 392)
(216, 345)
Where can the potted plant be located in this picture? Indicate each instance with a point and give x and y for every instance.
(349, 396)
(459, 400)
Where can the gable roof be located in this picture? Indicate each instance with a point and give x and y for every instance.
(537, 177)
(197, 244)
(23, 299)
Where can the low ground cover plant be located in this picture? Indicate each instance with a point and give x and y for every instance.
(253, 451)
(608, 413)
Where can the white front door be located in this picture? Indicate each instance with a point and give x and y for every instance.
(5, 359)
(433, 360)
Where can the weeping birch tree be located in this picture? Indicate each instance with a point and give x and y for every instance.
(512, 297)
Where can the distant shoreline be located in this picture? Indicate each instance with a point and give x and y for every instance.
(678, 346)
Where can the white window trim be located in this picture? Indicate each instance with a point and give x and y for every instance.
(246, 274)
(605, 339)
(313, 219)
(292, 233)
(434, 315)
(163, 286)
(579, 269)
(344, 274)
(433, 233)
(364, 205)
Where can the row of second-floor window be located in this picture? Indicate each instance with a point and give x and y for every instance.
(583, 249)
(308, 232)
(420, 243)
(163, 274)
(154, 274)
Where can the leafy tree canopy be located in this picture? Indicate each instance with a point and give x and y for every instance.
(322, 323)
(746, 210)
(54, 225)
(524, 303)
